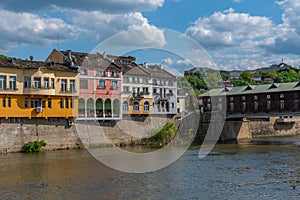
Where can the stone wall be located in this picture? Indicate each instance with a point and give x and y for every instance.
(245, 129)
(59, 135)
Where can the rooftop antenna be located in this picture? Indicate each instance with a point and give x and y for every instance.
(58, 43)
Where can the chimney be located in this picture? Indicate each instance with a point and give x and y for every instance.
(69, 60)
(146, 65)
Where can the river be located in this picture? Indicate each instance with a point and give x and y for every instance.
(230, 171)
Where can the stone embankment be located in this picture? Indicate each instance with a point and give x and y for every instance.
(84, 134)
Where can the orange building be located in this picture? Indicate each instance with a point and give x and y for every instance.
(32, 89)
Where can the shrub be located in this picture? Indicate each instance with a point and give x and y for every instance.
(34, 146)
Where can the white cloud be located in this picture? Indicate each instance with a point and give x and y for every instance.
(24, 28)
(101, 25)
(228, 29)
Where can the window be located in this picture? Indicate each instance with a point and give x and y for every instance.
(37, 103)
(231, 98)
(71, 103)
(52, 83)
(84, 84)
(101, 73)
(268, 105)
(281, 104)
(296, 104)
(244, 98)
(2, 82)
(114, 85)
(61, 102)
(126, 79)
(281, 96)
(255, 97)
(244, 106)
(133, 79)
(125, 88)
(67, 103)
(146, 106)
(154, 81)
(268, 96)
(27, 82)
(49, 103)
(37, 82)
(9, 102)
(125, 106)
(3, 102)
(231, 107)
(13, 82)
(136, 106)
(145, 80)
(114, 73)
(101, 84)
(255, 105)
(46, 82)
(154, 91)
(26, 103)
(145, 90)
(72, 85)
(63, 85)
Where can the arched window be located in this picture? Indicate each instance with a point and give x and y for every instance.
(116, 107)
(125, 106)
(146, 106)
(90, 107)
(81, 107)
(99, 107)
(136, 106)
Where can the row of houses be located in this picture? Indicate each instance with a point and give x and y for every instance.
(73, 85)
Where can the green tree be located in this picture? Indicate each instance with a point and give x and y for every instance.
(246, 76)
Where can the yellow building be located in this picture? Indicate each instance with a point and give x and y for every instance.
(31, 89)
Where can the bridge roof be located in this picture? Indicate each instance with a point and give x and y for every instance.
(253, 89)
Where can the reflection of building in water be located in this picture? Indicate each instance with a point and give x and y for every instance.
(31, 89)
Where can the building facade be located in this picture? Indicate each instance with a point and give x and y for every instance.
(31, 89)
(100, 83)
(164, 90)
(136, 91)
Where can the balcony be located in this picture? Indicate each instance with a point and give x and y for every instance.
(138, 95)
(39, 109)
(69, 91)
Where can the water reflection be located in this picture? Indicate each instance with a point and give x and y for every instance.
(231, 171)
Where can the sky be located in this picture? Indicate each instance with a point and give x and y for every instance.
(236, 34)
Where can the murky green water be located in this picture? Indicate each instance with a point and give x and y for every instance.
(230, 172)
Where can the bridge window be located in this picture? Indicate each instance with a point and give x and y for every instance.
(281, 104)
(268, 105)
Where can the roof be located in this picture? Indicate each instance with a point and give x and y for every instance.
(97, 61)
(25, 64)
(157, 71)
(137, 71)
(254, 89)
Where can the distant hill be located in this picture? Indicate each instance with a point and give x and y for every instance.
(278, 73)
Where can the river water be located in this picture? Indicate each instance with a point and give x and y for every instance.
(230, 171)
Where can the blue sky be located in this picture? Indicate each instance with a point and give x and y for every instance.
(237, 34)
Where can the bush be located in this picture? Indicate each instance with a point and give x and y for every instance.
(165, 135)
(34, 146)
